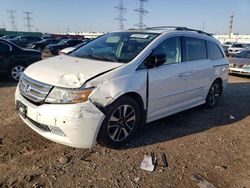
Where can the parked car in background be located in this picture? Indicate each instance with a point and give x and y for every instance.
(107, 89)
(40, 45)
(240, 63)
(23, 41)
(7, 37)
(70, 49)
(14, 60)
(237, 47)
(55, 48)
(226, 45)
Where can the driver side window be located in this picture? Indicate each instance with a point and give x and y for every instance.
(171, 47)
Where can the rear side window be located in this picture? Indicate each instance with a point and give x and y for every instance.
(214, 51)
(196, 49)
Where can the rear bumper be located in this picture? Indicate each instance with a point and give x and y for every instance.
(75, 125)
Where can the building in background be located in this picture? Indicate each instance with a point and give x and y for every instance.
(234, 38)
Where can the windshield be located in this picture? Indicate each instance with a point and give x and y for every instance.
(62, 42)
(117, 47)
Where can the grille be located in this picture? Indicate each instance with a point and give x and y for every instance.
(33, 90)
(39, 125)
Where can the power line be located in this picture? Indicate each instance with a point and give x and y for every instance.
(231, 18)
(12, 19)
(28, 18)
(121, 11)
(141, 12)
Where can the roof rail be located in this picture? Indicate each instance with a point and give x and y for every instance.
(195, 30)
(178, 28)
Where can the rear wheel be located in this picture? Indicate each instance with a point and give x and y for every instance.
(121, 123)
(15, 72)
(214, 94)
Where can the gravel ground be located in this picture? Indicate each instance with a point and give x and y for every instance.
(196, 141)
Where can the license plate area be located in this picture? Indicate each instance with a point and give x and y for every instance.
(21, 109)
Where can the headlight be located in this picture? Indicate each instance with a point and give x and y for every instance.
(68, 96)
(246, 66)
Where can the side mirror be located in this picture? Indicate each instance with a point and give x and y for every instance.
(155, 60)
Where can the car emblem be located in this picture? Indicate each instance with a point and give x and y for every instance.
(27, 88)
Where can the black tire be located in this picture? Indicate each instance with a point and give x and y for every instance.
(15, 72)
(54, 52)
(214, 94)
(114, 128)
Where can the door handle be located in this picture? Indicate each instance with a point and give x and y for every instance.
(186, 74)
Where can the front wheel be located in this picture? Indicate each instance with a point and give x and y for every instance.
(214, 94)
(15, 72)
(121, 123)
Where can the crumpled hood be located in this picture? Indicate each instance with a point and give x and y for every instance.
(67, 71)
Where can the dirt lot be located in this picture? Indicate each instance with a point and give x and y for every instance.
(197, 141)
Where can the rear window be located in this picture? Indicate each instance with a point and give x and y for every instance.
(214, 51)
(196, 49)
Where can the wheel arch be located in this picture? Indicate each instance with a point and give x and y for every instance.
(138, 98)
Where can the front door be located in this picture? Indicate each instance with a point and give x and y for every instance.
(167, 85)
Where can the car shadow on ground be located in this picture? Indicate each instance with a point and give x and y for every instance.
(6, 82)
(235, 101)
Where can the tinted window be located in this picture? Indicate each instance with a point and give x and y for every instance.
(213, 51)
(196, 49)
(4, 47)
(171, 48)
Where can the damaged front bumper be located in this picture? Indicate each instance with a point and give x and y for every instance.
(75, 125)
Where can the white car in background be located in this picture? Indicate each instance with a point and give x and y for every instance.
(70, 49)
(107, 89)
(240, 63)
(237, 47)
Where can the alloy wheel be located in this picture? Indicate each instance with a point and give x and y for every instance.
(17, 71)
(214, 94)
(121, 122)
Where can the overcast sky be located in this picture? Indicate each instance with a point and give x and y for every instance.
(98, 15)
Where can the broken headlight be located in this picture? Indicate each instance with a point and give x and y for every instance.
(68, 96)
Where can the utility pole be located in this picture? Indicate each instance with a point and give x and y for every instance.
(203, 26)
(121, 11)
(12, 19)
(231, 24)
(28, 18)
(141, 12)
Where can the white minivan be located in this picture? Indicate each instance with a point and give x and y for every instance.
(107, 89)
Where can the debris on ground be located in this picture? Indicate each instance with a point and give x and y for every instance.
(27, 151)
(202, 182)
(164, 160)
(147, 163)
(137, 179)
(64, 160)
